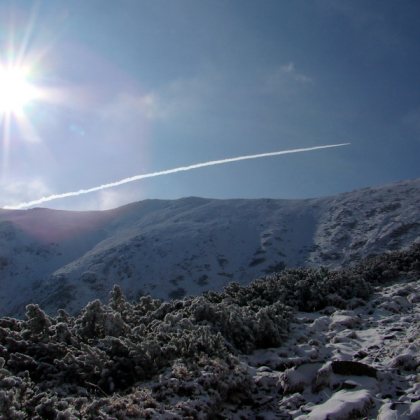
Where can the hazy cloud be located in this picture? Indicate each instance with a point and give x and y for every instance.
(187, 95)
(286, 75)
(212, 91)
(17, 191)
(128, 106)
(285, 80)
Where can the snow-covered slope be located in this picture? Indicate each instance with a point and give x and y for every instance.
(166, 248)
(304, 344)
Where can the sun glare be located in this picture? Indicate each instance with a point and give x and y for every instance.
(15, 89)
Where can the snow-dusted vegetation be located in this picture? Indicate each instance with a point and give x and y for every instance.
(307, 344)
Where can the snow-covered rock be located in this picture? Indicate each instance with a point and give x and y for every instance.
(343, 405)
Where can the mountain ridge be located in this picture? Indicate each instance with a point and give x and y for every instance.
(170, 248)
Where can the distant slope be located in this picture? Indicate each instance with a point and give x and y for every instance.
(169, 248)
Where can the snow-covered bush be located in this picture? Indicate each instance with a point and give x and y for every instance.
(173, 360)
(304, 289)
(245, 328)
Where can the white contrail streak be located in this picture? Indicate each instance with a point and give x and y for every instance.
(169, 171)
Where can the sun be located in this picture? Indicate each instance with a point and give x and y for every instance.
(15, 89)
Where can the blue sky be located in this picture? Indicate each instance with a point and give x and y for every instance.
(130, 87)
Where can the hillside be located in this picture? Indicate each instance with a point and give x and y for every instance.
(172, 248)
(306, 344)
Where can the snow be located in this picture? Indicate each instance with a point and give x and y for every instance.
(368, 371)
(342, 406)
(337, 364)
(174, 248)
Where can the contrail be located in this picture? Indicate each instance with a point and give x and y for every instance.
(167, 172)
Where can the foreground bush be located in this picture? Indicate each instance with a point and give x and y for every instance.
(155, 359)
